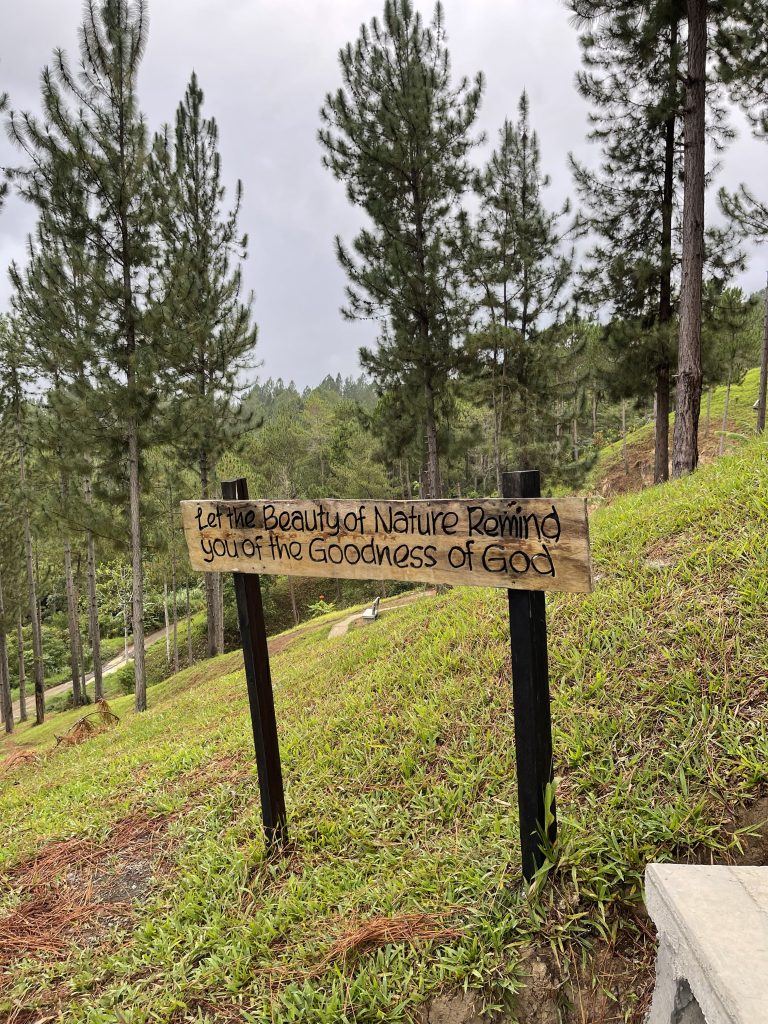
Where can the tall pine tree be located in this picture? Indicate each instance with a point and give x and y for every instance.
(92, 117)
(633, 57)
(205, 314)
(520, 268)
(398, 135)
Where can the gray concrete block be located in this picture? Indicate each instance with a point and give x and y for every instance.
(712, 965)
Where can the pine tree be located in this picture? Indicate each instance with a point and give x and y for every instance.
(520, 269)
(398, 135)
(205, 314)
(726, 44)
(632, 55)
(730, 340)
(58, 303)
(93, 115)
(3, 184)
(15, 415)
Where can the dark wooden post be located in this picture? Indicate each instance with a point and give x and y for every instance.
(530, 690)
(253, 633)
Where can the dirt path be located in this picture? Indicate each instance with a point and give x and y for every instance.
(276, 644)
(107, 669)
(340, 628)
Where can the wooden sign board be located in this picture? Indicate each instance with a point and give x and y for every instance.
(527, 543)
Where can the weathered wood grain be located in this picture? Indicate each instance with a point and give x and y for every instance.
(531, 544)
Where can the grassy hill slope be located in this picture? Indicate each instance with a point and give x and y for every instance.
(138, 857)
(609, 475)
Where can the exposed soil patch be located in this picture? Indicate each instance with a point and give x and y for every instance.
(638, 472)
(74, 890)
(754, 818)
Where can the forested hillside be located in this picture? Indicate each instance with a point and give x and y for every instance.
(513, 331)
(402, 877)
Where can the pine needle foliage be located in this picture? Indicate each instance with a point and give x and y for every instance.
(92, 118)
(520, 269)
(398, 134)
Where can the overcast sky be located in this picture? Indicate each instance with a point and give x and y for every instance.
(265, 66)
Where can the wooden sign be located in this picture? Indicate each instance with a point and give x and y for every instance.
(527, 543)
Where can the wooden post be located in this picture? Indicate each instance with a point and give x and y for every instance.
(530, 689)
(253, 633)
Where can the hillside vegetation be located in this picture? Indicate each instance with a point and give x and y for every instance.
(138, 854)
(609, 475)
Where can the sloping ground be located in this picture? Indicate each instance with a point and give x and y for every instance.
(402, 878)
(611, 476)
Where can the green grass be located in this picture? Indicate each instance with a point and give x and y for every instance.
(741, 417)
(398, 753)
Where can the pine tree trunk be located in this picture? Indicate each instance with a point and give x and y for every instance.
(294, 608)
(174, 607)
(575, 438)
(137, 595)
(189, 629)
(497, 442)
(725, 414)
(219, 613)
(763, 387)
(167, 623)
(34, 612)
(685, 443)
(125, 631)
(209, 582)
(661, 447)
(72, 625)
(433, 457)
(5, 679)
(22, 668)
(93, 602)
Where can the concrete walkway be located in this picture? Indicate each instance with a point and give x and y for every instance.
(107, 669)
(341, 628)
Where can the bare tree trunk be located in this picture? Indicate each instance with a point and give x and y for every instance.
(219, 613)
(661, 442)
(725, 414)
(175, 609)
(137, 597)
(189, 629)
(624, 434)
(167, 623)
(761, 394)
(22, 668)
(661, 446)
(685, 442)
(72, 625)
(93, 603)
(575, 438)
(294, 609)
(497, 413)
(34, 611)
(5, 679)
(433, 458)
(210, 580)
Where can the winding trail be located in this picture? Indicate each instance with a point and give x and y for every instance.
(107, 669)
(276, 644)
(341, 628)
